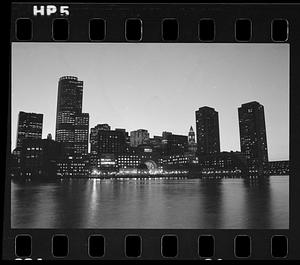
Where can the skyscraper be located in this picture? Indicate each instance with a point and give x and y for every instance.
(71, 123)
(207, 130)
(139, 137)
(30, 126)
(253, 139)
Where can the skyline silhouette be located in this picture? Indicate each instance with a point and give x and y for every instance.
(132, 110)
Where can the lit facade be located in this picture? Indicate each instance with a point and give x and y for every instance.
(71, 123)
(104, 162)
(279, 167)
(128, 161)
(224, 163)
(81, 134)
(73, 167)
(179, 162)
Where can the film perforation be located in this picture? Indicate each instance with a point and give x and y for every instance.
(243, 30)
(23, 245)
(23, 30)
(60, 29)
(280, 30)
(206, 246)
(134, 29)
(96, 246)
(60, 245)
(97, 29)
(279, 246)
(170, 29)
(169, 246)
(207, 29)
(242, 246)
(133, 246)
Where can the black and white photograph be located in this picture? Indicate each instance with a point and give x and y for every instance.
(149, 135)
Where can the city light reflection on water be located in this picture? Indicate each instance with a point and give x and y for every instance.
(152, 203)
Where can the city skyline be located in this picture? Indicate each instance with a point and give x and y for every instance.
(180, 127)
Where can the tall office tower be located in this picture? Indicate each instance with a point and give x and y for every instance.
(94, 136)
(70, 120)
(81, 135)
(173, 143)
(207, 130)
(192, 146)
(139, 137)
(253, 139)
(30, 126)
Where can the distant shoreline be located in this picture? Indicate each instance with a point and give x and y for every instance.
(132, 177)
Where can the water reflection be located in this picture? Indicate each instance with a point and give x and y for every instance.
(155, 203)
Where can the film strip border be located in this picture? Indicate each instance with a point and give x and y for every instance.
(152, 23)
(133, 30)
(146, 23)
(149, 244)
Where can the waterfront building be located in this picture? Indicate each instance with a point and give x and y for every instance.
(105, 141)
(207, 131)
(39, 158)
(178, 161)
(73, 167)
(139, 137)
(94, 136)
(149, 155)
(155, 142)
(253, 139)
(224, 163)
(128, 161)
(173, 143)
(104, 163)
(111, 142)
(279, 167)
